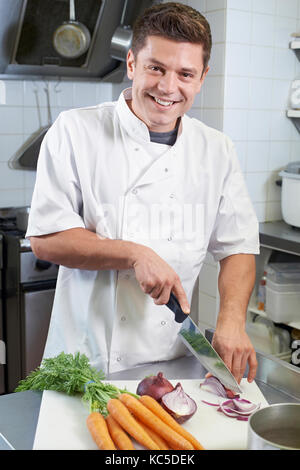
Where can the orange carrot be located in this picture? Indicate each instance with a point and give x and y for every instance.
(141, 412)
(122, 415)
(119, 436)
(99, 431)
(156, 438)
(159, 411)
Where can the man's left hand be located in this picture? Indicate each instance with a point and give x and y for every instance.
(235, 348)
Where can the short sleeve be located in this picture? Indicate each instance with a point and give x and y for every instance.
(57, 200)
(236, 228)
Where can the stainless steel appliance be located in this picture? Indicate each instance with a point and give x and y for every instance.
(27, 28)
(28, 288)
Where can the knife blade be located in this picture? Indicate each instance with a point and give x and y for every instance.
(201, 348)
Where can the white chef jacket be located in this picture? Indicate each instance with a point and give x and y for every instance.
(98, 170)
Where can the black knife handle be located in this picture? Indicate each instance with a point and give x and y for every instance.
(174, 305)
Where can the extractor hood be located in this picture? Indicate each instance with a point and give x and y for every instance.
(26, 38)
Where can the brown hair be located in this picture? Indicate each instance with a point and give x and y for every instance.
(174, 21)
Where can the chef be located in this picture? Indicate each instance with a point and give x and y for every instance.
(129, 198)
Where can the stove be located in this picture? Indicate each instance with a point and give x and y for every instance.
(27, 294)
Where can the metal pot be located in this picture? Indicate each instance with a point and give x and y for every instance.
(121, 40)
(22, 215)
(71, 39)
(275, 427)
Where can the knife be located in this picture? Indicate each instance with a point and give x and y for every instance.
(201, 348)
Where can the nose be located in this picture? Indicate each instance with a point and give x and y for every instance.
(168, 83)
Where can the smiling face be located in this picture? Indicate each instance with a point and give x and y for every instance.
(166, 77)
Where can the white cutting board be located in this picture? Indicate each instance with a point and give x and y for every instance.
(62, 419)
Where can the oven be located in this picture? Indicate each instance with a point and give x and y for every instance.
(27, 294)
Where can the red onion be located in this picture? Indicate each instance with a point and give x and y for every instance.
(213, 385)
(155, 386)
(180, 405)
(238, 408)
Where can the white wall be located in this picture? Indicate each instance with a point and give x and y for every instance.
(20, 117)
(259, 69)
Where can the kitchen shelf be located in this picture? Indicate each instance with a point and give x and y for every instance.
(253, 309)
(295, 46)
(280, 236)
(294, 115)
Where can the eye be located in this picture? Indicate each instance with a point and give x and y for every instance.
(154, 68)
(187, 75)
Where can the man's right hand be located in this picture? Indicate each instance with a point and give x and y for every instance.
(79, 248)
(157, 278)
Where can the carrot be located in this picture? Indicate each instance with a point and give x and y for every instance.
(122, 415)
(157, 409)
(119, 436)
(99, 431)
(156, 438)
(141, 412)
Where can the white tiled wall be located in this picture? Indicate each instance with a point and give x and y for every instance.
(23, 110)
(208, 105)
(259, 69)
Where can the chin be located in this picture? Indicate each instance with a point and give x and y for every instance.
(161, 121)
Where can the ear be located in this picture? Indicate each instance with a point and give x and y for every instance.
(202, 78)
(130, 64)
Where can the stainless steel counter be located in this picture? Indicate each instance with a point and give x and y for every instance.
(19, 411)
(280, 236)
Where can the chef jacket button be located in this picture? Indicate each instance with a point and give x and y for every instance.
(172, 195)
(119, 359)
(166, 169)
(123, 318)
(162, 322)
(170, 239)
(134, 191)
(136, 149)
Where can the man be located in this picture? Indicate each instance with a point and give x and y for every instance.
(118, 187)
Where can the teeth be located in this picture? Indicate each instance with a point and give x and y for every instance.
(164, 103)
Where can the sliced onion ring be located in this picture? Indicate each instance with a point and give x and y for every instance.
(235, 408)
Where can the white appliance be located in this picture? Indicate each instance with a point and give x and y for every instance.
(290, 194)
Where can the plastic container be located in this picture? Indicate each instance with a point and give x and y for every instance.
(261, 294)
(283, 292)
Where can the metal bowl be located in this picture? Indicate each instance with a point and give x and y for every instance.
(275, 427)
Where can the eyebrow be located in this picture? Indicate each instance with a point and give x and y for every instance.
(184, 69)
